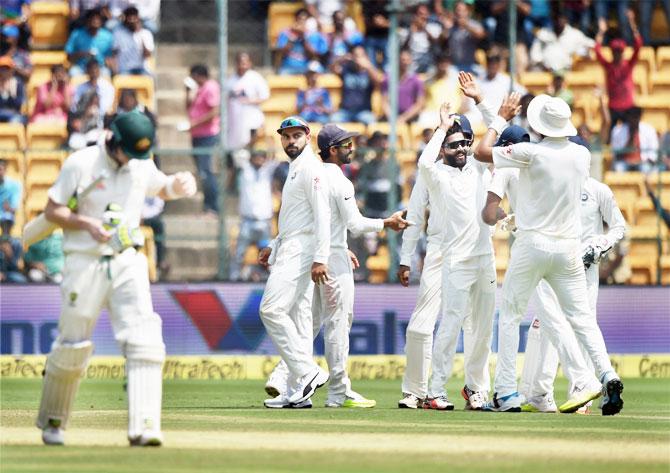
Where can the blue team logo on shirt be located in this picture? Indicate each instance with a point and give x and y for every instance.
(585, 197)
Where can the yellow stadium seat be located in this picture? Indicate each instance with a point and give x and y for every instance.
(283, 105)
(643, 270)
(644, 241)
(659, 83)
(583, 83)
(42, 167)
(641, 79)
(144, 85)
(149, 250)
(49, 24)
(43, 61)
(12, 137)
(655, 110)
(665, 270)
(15, 163)
(385, 127)
(645, 214)
(630, 183)
(663, 59)
(281, 15)
(535, 82)
(48, 135)
(36, 199)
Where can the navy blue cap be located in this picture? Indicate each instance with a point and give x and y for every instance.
(578, 140)
(511, 135)
(464, 123)
(331, 135)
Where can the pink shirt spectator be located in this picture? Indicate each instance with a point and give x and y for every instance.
(206, 98)
(52, 107)
(620, 87)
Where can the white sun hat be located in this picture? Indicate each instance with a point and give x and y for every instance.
(550, 116)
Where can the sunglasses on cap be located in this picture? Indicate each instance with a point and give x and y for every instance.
(457, 144)
(291, 122)
(344, 144)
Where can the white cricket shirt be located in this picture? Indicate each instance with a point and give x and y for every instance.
(419, 200)
(126, 186)
(344, 213)
(460, 194)
(304, 203)
(256, 190)
(551, 176)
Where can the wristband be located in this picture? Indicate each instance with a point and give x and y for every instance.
(169, 188)
(498, 124)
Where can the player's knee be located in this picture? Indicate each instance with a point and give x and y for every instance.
(69, 360)
(144, 341)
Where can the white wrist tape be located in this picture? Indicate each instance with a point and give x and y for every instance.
(169, 188)
(498, 124)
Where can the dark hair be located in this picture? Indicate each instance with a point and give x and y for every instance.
(91, 13)
(131, 11)
(200, 70)
(300, 12)
(405, 50)
(634, 114)
(444, 57)
(125, 92)
(57, 67)
(3, 162)
(92, 62)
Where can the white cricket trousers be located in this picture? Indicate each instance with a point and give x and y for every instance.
(333, 308)
(286, 307)
(559, 262)
(468, 287)
(544, 351)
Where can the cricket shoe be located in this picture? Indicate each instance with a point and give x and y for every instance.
(439, 403)
(409, 401)
(612, 401)
(580, 397)
(474, 400)
(308, 384)
(276, 383)
(53, 434)
(281, 402)
(149, 438)
(352, 400)
(542, 403)
(510, 403)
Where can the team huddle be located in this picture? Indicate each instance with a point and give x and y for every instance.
(557, 223)
(558, 240)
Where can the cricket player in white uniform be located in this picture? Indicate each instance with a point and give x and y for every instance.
(333, 305)
(541, 358)
(103, 269)
(551, 178)
(297, 259)
(468, 266)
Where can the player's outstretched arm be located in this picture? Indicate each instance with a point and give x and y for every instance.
(508, 110)
(179, 185)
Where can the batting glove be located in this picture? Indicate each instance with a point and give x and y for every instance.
(594, 250)
(124, 238)
(508, 224)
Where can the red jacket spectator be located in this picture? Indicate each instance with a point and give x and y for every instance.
(619, 73)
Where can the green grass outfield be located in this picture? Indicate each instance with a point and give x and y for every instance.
(217, 426)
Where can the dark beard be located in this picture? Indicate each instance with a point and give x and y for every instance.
(294, 152)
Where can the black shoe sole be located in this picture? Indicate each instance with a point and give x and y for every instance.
(614, 402)
(272, 391)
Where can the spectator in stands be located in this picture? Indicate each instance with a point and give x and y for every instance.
(102, 87)
(441, 88)
(314, 102)
(411, 92)
(247, 90)
(634, 143)
(85, 123)
(646, 11)
(44, 260)
(463, 36)
(420, 38)
(557, 88)
(665, 150)
(554, 48)
(322, 12)
(17, 13)
(619, 72)
(578, 13)
(603, 9)
(90, 42)
(23, 66)
(79, 8)
(133, 45)
(10, 199)
(500, 11)
(152, 217)
(128, 102)
(12, 93)
(342, 39)
(373, 179)
(297, 46)
(255, 205)
(359, 79)
(376, 31)
(10, 260)
(664, 213)
(205, 126)
(54, 98)
(539, 17)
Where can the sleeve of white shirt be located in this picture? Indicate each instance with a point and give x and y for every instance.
(487, 111)
(611, 214)
(316, 189)
(263, 90)
(427, 165)
(519, 155)
(156, 179)
(416, 213)
(148, 40)
(499, 182)
(66, 184)
(355, 222)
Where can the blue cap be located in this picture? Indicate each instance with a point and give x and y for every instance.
(511, 135)
(464, 123)
(578, 140)
(11, 31)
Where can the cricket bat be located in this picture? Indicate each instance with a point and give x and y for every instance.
(39, 228)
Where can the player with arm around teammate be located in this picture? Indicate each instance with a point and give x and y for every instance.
(468, 267)
(333, 303)
(104, 269)
(552, 174)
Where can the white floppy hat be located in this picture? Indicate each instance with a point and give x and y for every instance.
(550, 116)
